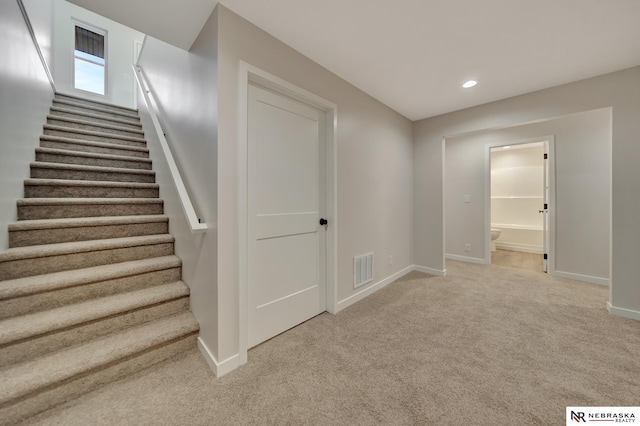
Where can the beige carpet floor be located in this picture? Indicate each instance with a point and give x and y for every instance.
(482, 346)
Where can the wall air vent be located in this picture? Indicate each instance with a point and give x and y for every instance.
(362, 269)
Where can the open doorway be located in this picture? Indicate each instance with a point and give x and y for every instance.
(520, 205)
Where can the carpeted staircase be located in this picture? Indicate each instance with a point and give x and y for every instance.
(90, 287)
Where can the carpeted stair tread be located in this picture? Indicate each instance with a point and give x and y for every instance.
(61, 188)
(110, 136)
(55, 207)
(57, 111)
(131, 151)
(21, 287)
(63, 156)
(47, 250)
(83, 221)
(84, 102)
(32, 325)
(94, 109)
(101, 127)
(71, 201)
(29, 377)
(46, 170)
(49, 231)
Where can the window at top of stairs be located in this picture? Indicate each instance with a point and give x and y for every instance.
(89, 60)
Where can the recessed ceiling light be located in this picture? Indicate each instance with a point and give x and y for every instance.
(469, 83)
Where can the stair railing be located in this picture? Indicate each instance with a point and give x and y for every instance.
(195, 223)
(27, 21)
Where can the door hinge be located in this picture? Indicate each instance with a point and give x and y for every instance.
(546, 206)
(546, 156)
(545, 256)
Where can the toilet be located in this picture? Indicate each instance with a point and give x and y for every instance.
(495, 233)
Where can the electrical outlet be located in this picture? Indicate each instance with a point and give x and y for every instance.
(467, 247)
(390, 260)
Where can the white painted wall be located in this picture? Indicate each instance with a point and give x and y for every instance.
(41, 16)
(120, 54)
(25, 98)
(619, 90)
(185, 86)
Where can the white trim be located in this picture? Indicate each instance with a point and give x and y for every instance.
(583, 278)
(430, 271)
(105, 33)
(527, 248)
(477, 260)
(611, 204)
(219, 368)
(622, 312)
(551, 150)
(372, 289)
(187, 206)
(248, 73)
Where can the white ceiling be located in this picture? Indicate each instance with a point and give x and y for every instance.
(414, 55)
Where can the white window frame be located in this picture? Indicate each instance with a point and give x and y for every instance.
(79, 23)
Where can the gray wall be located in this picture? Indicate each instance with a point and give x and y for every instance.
(185, 86)
(374, 150)
(619, 90)
(25, 99)
(583, 170)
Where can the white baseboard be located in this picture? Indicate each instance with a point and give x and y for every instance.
(371, 289)
(624, 313)
(431, 271)
(465, 259)
(527, 248)
(219, 368)
(583, 278)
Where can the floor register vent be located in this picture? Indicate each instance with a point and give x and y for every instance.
(362, 269)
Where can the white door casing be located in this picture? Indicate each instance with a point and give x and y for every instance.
(545, 209)
(286, 199)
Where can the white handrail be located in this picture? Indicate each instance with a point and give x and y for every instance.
(27, 21)
(187, 206)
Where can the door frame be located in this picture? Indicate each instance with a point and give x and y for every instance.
(551, 243)
(249, 74)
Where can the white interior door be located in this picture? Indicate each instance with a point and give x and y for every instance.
(545, 211)
(286, 200)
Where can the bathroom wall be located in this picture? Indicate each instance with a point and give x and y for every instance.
(517, 196)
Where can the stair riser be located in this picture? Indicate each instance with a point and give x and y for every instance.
(32, 404)
(88, 210)
(94, 128)
(90, 161)
(20, 268)
(89, 103)
(51, 173)
(85, 233)
(29, 349)
(55, 299)
(59, 191)
(95, 138)
(101, 112)
(120, 122)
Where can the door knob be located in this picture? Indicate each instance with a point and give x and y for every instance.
(323, 221)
